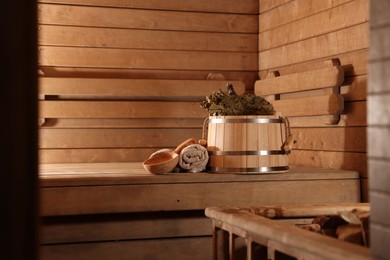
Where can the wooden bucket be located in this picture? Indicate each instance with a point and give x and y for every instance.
(247, 144)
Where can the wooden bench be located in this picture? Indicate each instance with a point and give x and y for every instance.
(96, 198)
(106, 210)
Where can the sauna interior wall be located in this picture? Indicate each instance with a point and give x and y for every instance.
(299, 35)
(109, 39)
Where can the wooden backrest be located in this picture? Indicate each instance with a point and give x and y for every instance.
(114, 120)
(310, 93)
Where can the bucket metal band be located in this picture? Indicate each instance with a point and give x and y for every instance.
(259, 152)
(246, 120)
(259, 169)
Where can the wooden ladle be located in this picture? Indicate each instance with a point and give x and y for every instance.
(165, 162)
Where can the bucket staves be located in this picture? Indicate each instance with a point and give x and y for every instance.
(247, 144)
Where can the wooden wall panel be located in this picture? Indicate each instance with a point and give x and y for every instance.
(219, 6)
(299, 35)
(97, 40)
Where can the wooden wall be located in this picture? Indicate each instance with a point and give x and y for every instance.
(114, 39)
(379, 128)
(299, 35)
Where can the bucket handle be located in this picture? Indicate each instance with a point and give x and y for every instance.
(203, 141)
(287, 145)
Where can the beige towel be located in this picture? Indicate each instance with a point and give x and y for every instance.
(193, 158)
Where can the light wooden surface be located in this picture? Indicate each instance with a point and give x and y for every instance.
(246, 137)
(224, 6)
(281, 237)
(197, 248)
(133, 88)
(104, 188)
(296, 37)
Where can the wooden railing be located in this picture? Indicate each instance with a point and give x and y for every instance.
(250, 234)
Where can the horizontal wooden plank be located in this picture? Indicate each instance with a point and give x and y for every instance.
(192, 196)
(354, 114)
(265, 6)
(120, 109)
(330, 159)
(248, 77)
(225, 6)
(163, 249)
(348, 139)
(342, 41)
(315, 79)
(292, 11)
(311, 106)
(75, 229)
(133, 88)
(353, 63)
(76, 36)
(145, 59)
(95, 155)
(115, 138)
(145, 19)
(342, 16)
(101, 174)
(123, 123)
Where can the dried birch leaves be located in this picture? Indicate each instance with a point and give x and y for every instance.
(221, 103)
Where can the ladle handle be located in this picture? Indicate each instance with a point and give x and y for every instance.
(184, 144)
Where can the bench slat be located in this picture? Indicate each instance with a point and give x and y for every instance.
(120, 109)
(332, 104)
(134, 87)
(315, 79)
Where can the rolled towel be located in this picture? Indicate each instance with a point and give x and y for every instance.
(193, 158)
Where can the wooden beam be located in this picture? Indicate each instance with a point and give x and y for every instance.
(79, 36)
(146, 59)
(314, 79)
(133, 88)
(312, 106)
(223, 6)
(145, 19)
(115, 109)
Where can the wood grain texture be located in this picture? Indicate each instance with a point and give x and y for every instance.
(124, 109)
(75, 229)
(330, 159)
(353, 64)
(110, 199)
(145, 59)
(282, 237)
(350, 39)
(348, 139)
(96, 155)
(165, 249)
(133, 88)
(318, 105)
(223, 6)
(145, 19)
(78, 36)
(314, 79)
(342, 16)
(292, 11)
(103, 188)
(114, 138)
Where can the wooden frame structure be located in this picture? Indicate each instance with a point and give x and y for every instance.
(266, 238)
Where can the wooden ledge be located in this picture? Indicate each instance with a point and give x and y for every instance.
(100, 188)
(78, 174)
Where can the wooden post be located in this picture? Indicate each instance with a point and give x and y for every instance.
(18, 185)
